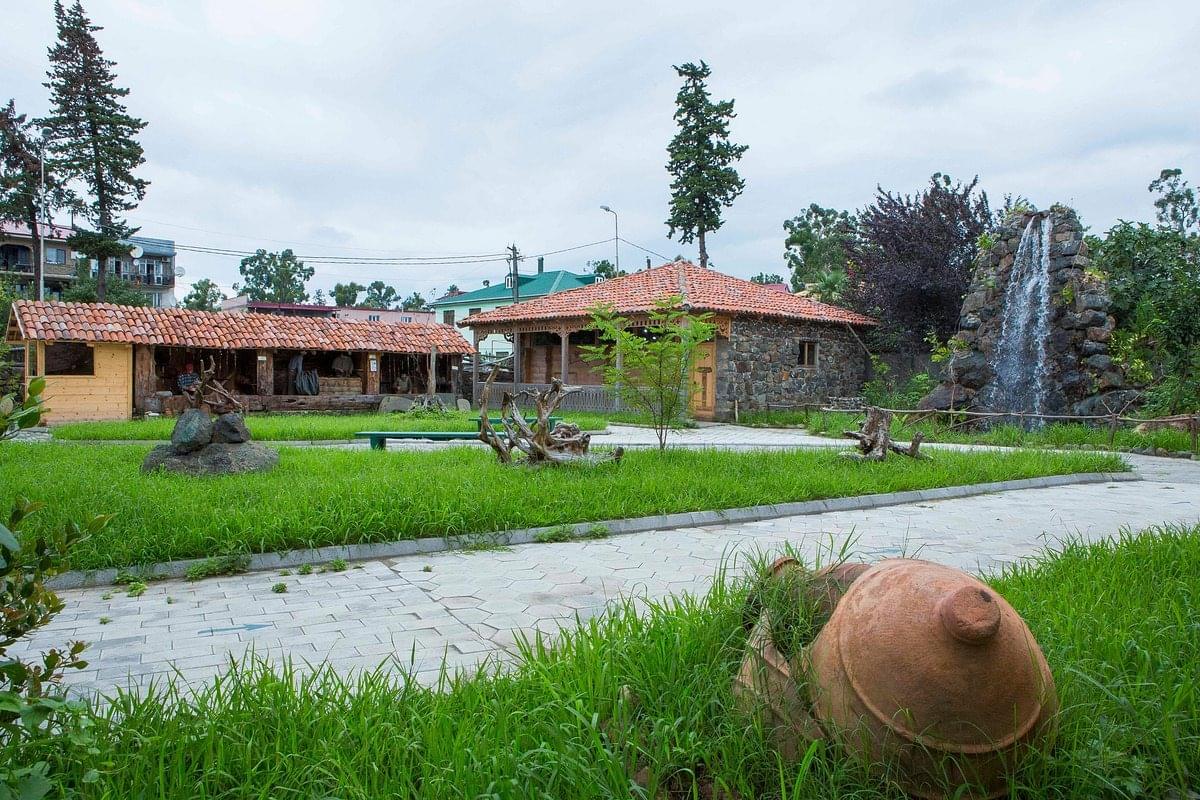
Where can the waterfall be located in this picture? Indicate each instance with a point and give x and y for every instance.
(1019, 362)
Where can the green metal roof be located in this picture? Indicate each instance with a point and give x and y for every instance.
(543, 283)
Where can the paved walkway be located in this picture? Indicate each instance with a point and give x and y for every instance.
(462, 607)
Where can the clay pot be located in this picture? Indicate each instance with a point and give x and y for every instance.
(926, 673)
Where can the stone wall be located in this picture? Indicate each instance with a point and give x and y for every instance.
(1082, 377)
(758, 365)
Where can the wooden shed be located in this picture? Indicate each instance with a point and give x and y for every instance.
(104, 361)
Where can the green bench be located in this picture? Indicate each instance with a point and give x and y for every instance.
(379, 439)
(496, 421)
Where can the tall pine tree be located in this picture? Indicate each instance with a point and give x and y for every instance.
(93, 138)
(703, 178)
(21, 182)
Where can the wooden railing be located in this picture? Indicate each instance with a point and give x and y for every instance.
(582, 398)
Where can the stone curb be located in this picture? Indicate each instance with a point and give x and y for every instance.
(686, 519)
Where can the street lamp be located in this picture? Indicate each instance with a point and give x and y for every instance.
(616, 238)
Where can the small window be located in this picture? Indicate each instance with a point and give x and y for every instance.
(473, 311)
(406, 319)
(372, 318)
(808, 354)
(508, 281)
(56, 255)
(69, 358)
(448, 317)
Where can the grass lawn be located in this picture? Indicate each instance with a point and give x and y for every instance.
(1057, 434)
(639, 705)
(321, 496)
(300, 427)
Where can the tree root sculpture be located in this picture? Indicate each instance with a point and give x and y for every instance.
(563, 444)
(875, 438)
(211, 392)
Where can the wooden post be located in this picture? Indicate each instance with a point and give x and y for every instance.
(475, 368)
(144, 383)
(516, 370)
(617, 386)
(371, 370)
(1112, 430)
(564, 337)
(265, 372)
(431, 387)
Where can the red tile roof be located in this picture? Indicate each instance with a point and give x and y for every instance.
(178, 327)
(704, 289)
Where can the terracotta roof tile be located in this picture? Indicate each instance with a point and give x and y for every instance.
(104, 322)
(705, 290)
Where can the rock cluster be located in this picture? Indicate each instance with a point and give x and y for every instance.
(201, 445)
(1084, 380)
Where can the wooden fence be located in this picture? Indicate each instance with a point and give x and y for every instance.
(582, 398)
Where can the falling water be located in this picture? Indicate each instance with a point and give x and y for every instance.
(1019, 361)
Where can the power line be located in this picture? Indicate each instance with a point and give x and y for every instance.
(645, 250)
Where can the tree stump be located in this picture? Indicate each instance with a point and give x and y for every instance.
(565, 443)
(875, 438)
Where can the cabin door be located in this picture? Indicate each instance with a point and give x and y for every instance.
(704, 381)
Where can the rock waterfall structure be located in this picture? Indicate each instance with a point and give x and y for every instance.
(1034, 326)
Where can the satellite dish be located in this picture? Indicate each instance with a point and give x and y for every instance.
(136, 251)
(179, 273)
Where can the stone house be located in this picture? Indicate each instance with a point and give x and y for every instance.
(772, 349)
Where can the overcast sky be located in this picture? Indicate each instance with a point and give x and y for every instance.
(410, 129)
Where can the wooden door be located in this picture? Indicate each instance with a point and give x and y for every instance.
(704, 381)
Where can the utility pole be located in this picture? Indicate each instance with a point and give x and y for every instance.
(44, 208)
(514, 257)
(616, 238)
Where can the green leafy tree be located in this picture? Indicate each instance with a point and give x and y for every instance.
(452, 289)
(274, 277)
(703, 180)
(414, 302)
(380, 295)
(93, 139)
(204, 296)
(766, 278)
(345, 295)
(8, 294)
(605, 269)
(32, 702)
(650, 368)
(22, 150)
(830, 286)
(85, 289)
(1176, 202)
(817, 245)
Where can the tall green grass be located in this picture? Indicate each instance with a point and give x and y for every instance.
(1057, 434)
(638, 704)
(320, 496)
(299, 427)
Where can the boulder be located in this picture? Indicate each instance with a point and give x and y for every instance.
(463, 404)
(192, 432)
(230, 429)
(1099, 334)
(390, 404)
(939, 398)
(215, 459)
(1100, 363)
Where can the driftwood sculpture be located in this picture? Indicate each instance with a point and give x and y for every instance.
(565, 443)
(211, 392)
(875, 438)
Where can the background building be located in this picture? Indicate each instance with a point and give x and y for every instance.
(244, 305)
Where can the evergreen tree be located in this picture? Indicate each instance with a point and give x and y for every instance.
(380, 295)
(204, 296)
(92, 136)
(703, 178)
(346, 294)
(274, 277)
(21, 150)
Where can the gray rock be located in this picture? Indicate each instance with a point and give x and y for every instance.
(1100, 363)
(463, 404)
(391, 404)
(939, 398)
(1094, 301)
(1090, 348)
(192, 432)
(230, 429)
(215, 459)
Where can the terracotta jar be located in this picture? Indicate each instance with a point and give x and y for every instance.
(927, 675)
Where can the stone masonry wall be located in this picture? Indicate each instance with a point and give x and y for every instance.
(759, 365)
(1082, 377)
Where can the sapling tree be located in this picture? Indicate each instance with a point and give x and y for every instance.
(648, 365)
(204, 296)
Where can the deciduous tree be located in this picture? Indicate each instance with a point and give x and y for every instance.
(703, 180)
(119, 292)
(414, 302)
(274, 277)
(914, 256)
(204, 296)
(93, 138)
(380, 295)
(346, 295)
(767, 278)
(817, 246)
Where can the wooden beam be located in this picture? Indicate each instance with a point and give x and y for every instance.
(371, 373)
(144, 380)
(475, 368)
(564, 359)
(265, 372)
(431, 387)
